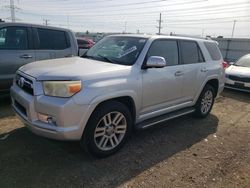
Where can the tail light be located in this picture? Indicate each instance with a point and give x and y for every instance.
(224, 64)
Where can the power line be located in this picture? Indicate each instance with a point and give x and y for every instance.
(80, 12)
(190, 15)
(95, 6)
(169, 11)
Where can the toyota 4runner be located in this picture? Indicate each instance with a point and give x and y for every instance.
(123, 82)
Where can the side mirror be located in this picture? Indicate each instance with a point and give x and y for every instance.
(156, 62)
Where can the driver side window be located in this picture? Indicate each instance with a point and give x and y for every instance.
(13, 38)
(165, 48)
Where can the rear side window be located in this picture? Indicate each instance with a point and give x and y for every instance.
(13, 38)
(165, 48)
(213, 50)
(52, 39)
(190, 52)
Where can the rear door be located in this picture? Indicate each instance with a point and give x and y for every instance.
(51, 44)
(194, 68)
(16, 50)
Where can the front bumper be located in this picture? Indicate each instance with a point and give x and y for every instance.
(231, 84)
(70, 118)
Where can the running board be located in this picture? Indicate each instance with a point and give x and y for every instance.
(159, 119)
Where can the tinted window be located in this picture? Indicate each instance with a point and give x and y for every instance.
(165, 48)
(190, 52)
(213, 50)
(14, 38)
(52, 39)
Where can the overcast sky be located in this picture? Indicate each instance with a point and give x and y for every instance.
(191, 17)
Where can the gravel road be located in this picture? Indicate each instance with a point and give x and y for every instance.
(186, 152)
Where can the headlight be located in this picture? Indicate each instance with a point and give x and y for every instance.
(61, 88)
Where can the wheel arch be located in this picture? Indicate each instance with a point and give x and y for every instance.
(215, 84)
(213, 81)
(128, 101)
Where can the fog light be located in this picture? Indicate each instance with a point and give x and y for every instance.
(47, 119)
(51, 120)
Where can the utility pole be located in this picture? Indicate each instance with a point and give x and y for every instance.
(233, 29)
(159, 26)
(46, 22)
(12, 11)
(125, 27)
(202, 32)
(68, 21)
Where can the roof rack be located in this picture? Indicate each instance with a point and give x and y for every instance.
(192, 36)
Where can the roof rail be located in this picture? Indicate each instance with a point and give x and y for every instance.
(192, 36)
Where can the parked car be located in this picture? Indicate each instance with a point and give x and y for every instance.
(238, 74)
(123, 82)
(22, 43)
(84, 44)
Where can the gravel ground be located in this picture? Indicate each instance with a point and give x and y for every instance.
(187, 152)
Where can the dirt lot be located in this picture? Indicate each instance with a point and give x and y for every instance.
(187, 152)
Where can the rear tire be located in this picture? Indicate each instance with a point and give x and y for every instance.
(107, 129)
(205, 102)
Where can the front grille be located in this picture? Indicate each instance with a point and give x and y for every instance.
(25, 84)
(238, 78)
(238, 87)
(20, 108)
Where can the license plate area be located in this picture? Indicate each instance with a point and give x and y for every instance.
(238, 84)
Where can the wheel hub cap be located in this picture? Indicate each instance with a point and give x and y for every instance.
(110, 131)
(206, 102)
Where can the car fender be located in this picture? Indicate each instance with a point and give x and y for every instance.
(208, 78)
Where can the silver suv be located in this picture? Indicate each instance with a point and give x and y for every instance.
(123, 82)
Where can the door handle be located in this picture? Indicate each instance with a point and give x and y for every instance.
(204, 70)
(69, 55)
(179, 73)
(26, 56)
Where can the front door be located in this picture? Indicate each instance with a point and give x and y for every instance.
(162, 87)
(15, 51)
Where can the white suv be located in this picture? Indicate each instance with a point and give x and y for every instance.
(123, 82)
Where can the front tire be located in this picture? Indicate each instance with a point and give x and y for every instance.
(107, 129)
(205, 102)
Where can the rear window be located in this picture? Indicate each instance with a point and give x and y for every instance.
(52, 39)
(213, 50)
(190, 52)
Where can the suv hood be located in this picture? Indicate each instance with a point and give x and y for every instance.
(70, 69)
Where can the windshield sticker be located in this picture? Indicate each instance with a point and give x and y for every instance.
(142, 40)
(128, 51)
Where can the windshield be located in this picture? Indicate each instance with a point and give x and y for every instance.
(117, 49)
(244, 61)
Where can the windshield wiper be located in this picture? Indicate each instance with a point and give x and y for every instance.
(108, 59)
